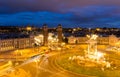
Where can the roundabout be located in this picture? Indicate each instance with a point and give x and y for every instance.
(87, 67)
(91, 61)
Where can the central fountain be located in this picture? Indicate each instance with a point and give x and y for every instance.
(92, 52)
(92, 57)
(92, 44)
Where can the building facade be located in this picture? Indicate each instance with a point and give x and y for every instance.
(17, 43)
(72, 40)
(111, 40)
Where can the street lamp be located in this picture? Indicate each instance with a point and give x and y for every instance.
(37, 64)
(16, 57)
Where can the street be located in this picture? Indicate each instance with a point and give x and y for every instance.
(43, 66)
(46, 67)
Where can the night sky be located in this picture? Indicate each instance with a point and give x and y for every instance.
(69, 13)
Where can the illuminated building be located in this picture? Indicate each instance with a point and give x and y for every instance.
(7, 44)
(16, 43)
(82, 40)
(72, 40)
(28, 28)
(111, 40)
(103, 40)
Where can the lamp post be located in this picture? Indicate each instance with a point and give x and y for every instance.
(37, 64)
(16, 58)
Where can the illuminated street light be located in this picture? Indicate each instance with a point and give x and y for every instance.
(37, 66)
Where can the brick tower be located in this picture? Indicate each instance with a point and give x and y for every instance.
(59, 31)
(45, 35)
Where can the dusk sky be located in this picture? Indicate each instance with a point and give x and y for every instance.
(69, 13)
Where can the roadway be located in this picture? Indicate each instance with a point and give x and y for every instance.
(47, 67)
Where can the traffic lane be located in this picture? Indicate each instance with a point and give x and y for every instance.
(47, 67)
(44, 68)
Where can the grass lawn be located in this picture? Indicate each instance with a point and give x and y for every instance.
(92, 71)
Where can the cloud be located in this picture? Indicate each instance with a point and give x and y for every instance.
(53, 19)
(37, 18)
(66, 12)
(12, 6)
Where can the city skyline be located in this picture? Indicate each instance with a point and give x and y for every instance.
(69, 13)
